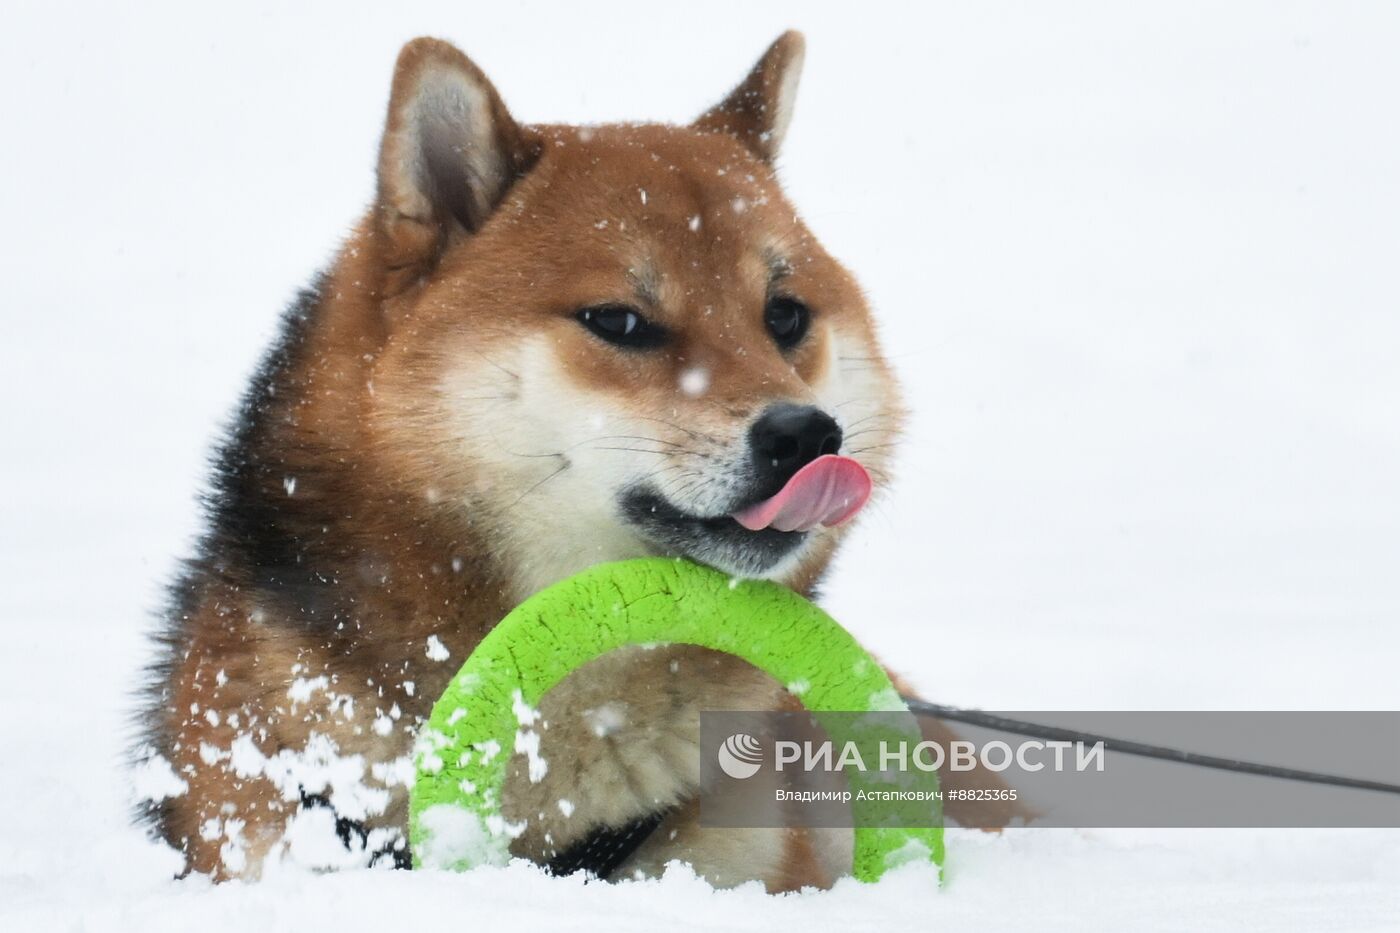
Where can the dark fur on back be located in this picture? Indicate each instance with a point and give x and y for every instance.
(248, 532)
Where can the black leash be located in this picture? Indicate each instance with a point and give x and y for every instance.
(1127, 747)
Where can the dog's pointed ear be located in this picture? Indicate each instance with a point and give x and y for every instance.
(450, 152)
(759, 110)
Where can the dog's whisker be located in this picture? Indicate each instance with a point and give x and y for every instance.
(660, 470)
(866, 399)
(878, 471)
(680, 452)
(513, 375)
(871, 424)
(562, 467)
(699, 435)
(673, 488)
(870, 447)
(637, 450)
(555, 453)
(865, 432)
(632, 437)
(872, 416)
(638, 437)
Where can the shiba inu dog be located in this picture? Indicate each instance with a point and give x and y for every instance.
(543, 347)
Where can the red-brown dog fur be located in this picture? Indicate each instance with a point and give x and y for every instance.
(415, 458)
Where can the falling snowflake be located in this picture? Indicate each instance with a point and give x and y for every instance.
(694, 381)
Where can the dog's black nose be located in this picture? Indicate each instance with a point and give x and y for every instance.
(786, 438)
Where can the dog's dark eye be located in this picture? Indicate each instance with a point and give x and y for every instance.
(787, 320)
(623, 326)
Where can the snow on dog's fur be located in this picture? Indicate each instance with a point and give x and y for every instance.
(543, 347)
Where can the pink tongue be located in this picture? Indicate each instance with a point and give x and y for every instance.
(826, 491)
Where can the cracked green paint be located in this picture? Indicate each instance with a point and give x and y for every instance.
(468, 741)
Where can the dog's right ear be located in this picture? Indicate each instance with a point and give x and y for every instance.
(450, 152)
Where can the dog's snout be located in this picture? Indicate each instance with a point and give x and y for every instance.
(788, 437)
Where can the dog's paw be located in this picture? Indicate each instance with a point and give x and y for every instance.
(618, 741)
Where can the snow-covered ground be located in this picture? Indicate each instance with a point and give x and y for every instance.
(1136, 263)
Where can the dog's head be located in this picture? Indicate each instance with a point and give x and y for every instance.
(611, 341)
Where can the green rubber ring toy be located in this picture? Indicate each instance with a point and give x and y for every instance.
(461, 755)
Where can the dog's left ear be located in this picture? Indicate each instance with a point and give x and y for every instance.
(759, 110)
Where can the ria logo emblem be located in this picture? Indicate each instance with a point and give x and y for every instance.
(740, 756)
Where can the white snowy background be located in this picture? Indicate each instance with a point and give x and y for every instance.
(1139, 268)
